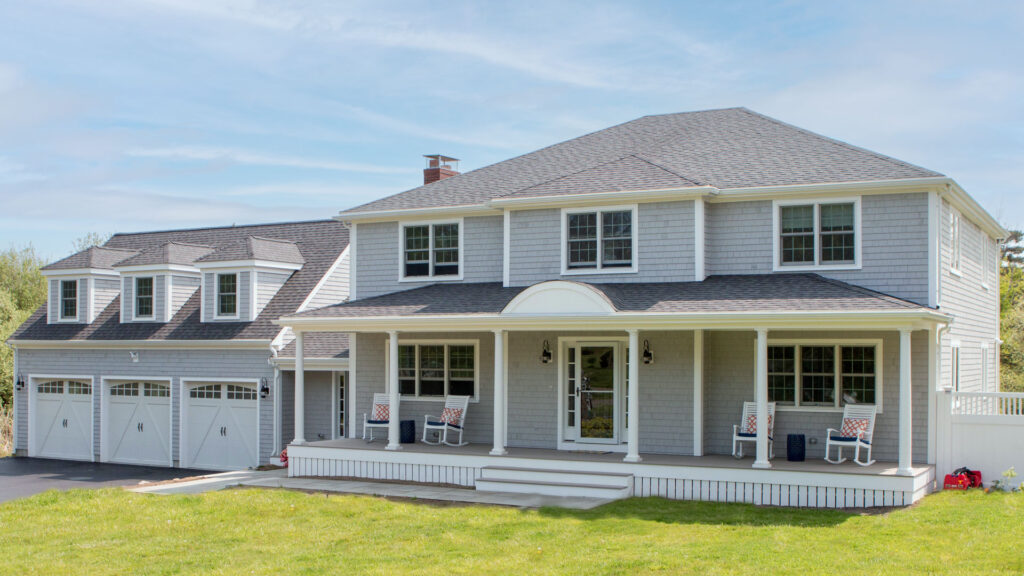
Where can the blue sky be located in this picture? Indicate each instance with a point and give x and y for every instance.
(128, 116)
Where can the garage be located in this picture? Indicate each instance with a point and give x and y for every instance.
(221, 426)
(137, 423)
(62, 419)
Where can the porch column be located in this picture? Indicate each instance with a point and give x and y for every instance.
(300, 391)
(761, 397)
(394, 435)
(906, 423)
(499, 394)
(698, 392)
(633, 446)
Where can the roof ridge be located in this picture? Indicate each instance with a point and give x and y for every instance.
(227, 227)
(265, 239)
(846, 145)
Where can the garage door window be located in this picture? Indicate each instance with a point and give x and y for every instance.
(156, 390)
(54, 387)
(209, 391)
(129, 389)
(241, 393)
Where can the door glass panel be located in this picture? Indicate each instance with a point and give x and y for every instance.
(570, 417)
(597, 392)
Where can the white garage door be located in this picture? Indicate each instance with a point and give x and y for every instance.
(62, 420)
(138, 423)
(222, 427)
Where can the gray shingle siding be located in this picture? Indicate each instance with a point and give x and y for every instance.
(105, 290)
(319, 417)
(377, 255)
(267, 285)
(128, 299)
(665, 246)
(370, 379)
(532, 391)
(974, 308)
(174, 364)
(729, 381)
(894, 243)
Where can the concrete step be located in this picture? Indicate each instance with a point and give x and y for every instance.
(545, 488)
(610, 479)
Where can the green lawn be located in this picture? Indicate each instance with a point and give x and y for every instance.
(278, 532)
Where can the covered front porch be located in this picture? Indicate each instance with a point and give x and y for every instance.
(557, 371)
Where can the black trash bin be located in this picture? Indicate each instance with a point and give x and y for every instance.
(796, 447)
(407, 429)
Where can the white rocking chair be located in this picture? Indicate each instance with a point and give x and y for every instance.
(856, 431)
(746, 430)
(452, 419)
(379, 415)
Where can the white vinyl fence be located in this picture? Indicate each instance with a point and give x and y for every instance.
(985, 432)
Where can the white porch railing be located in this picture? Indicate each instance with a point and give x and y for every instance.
(988, 404)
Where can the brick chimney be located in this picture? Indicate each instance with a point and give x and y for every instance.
(439, 167)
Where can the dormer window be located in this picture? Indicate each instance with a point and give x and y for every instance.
(69, 300)
(431, 250)
(227, 295)
(144, 297)
(817, 234)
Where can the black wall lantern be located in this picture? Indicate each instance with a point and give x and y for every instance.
(20, 384)
(264, 387)
(545, 355)
(648, 356)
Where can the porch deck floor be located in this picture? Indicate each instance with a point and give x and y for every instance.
(595, 455)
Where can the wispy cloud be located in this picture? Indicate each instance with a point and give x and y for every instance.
(200, 153)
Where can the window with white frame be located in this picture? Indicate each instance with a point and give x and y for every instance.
(811, 234)
(437, 369)
(68, 299)
(599, 240)
(430, 250)
(227, 295)
(831, 375)
(954, 246)
(144, 297)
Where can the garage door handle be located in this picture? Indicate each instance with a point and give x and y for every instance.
(65, 423)
(140, 426)
(223, 432)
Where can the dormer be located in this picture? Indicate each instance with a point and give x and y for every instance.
(158, 281)
(239, 280)
(83, 284)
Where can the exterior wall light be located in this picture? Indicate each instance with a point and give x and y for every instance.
(545, 355)
(648, 356)
(264, 387)
(20, 384)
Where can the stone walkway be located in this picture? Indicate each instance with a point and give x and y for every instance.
(279, 479)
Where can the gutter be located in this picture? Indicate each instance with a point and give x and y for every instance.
(142, 344)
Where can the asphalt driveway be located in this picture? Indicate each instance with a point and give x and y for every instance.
(21, 477)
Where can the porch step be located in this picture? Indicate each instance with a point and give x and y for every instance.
(550, 482)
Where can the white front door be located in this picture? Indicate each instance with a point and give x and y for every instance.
(62, 420)
(222, 426)
(137, 429)
(593, 376)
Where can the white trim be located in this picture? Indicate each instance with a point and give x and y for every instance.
(934, 209)
(599, 268)
(158, 269)
(778, 266)
(837, 365)
(203, 293)
(446, 342)
(698, 392)
(561, 298)
(105, 383)
(30, 444)
(216, 295)
(462, 210)
(204, 266)
(506, 248)
(560, 357)
(183, 412)
(61, 319)
(77, 272)
(154, 344)
(168, 296)
(323, 279)
(699, 269)
(352, 372)
(312, 364)
(430, 251)
(91, 303)
(596, 199)
(352, 278)
(253, 293)
(135, 298)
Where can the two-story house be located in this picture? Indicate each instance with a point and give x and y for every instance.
(610, 303)
(621, 310)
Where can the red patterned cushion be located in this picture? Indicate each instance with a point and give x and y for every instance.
(381, 412)
(750, 426)
(451, 415)
(853, 427)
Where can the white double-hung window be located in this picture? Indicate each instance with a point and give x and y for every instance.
(600, 240)
(69, 300)
(824, 374)
(144, 297)
(431, 250)
(817, 234)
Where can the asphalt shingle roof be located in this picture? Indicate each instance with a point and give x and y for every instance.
(319, 345)
(96, 257)
(320, 243)
(177, 253)
(729, 148)
(257, 248)
(741, 293)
